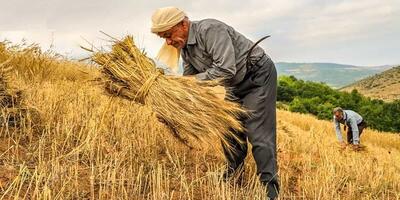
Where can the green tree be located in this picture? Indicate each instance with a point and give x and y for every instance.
(319, 99)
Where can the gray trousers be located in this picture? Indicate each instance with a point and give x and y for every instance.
(361, 126)
(257, 93)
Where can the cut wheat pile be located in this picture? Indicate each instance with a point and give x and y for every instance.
(11, 106)
(191, 110)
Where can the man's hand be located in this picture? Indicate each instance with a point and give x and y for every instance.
(356, 147)
(213, 85)
(191, 77)
(219, 91)
(342, 145)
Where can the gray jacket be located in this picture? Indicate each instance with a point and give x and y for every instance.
(215, 50)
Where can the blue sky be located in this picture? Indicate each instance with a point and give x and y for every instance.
(363, 32)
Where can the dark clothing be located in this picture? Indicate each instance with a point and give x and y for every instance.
(257, 93)
(361, 126)
(351, 119)
(215, 50)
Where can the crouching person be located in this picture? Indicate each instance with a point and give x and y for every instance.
(354, 124)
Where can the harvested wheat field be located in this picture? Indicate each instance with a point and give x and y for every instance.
(78, 142)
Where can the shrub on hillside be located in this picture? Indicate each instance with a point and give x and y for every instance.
(319, 99)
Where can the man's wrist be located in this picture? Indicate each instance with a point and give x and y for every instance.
(201, 76)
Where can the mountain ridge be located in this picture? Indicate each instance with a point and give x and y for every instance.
(384, 85)
(333, 74)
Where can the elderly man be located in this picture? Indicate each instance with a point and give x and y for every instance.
(213, 50)
(354, 123)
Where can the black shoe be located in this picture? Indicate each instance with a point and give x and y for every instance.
(272, 190)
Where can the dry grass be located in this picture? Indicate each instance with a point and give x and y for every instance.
(189, 109)
(315, 167)
(385, 86)
(92, 146)
(13, 110)
(33, 65)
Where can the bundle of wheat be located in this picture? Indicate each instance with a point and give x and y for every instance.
(185, 105)
(10, 99)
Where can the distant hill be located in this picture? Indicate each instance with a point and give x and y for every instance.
(385, 85)
(70, 140)
(335, 75)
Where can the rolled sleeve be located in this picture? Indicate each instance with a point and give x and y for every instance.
(219, 45)
(202, 76)
(337, 129)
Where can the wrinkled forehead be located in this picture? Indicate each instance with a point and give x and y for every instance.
(169, 32)
(165, 34)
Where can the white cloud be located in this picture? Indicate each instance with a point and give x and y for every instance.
(344, 21)
(303, 30)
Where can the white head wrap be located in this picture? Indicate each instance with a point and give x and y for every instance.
(164, 19)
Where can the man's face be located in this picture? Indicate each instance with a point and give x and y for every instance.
(338, 115)
(177, 35)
